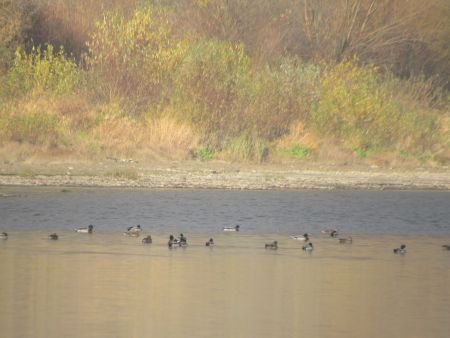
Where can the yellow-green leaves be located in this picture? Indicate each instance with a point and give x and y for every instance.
(133, 56)
(43, 71)
(359, 106)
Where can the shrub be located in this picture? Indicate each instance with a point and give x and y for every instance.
(43, 71)
(15, 19)
(280, 94)
(133, 57)
(358, 106)
(206, 87)
(35, 128)
(246, 147)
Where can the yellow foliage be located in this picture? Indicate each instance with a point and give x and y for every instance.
(129, 137)
(359, 107)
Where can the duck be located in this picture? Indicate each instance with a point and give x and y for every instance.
(346, 240)
(53, 236)
(332, 232)
(400, 250)
(136, 228)
(327, 231)
(173, 242)
(272, 246)
(210, 242)
(231, 228)
(305, 237)
(147, 240)
(308, 247)
(85, 230)
(182, 239)
(3, 235)
(446, 246)
(134, 231)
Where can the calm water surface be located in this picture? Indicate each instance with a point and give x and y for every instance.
(109, 285)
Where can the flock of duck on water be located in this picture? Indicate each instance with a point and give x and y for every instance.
(181, 241)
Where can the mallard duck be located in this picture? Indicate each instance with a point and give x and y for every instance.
(272, 246)
(183, 239)
(332, 232)
(328, 231)
(173, 242)
(85, 230)
(400, 250)
(346, 240)
(53, 236)
(308, 247)
(136, 228)
(134, 231)
(305, 237)
(147, 239)
(232, 228)
(210, 242)
(3, 235)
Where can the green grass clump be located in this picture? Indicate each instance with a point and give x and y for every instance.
(298, 150)
(362, 153)
(204, 153)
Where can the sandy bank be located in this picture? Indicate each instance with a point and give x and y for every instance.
(214, 175)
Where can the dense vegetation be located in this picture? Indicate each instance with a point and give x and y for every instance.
(244, 80)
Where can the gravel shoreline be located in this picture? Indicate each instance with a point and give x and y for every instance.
(242, 179)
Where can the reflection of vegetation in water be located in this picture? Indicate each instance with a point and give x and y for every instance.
(143, 88)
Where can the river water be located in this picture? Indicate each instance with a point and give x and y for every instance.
(110, 285)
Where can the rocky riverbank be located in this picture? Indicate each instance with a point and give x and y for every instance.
(198, 175)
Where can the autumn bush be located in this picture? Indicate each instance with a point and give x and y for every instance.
(197, 79)
(207, 87)
(361, 108)
(131, 58)
(43, 70)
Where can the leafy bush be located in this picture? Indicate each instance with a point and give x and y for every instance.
(35, 128)
(206, 87)
(133, 57)
(358, 106)
(43, 71)
(15, 18)
(278, 95)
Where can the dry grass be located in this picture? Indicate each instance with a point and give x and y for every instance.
(163, 137)
(332, 152)
(300, 136)
(88, 131)
(171, 137)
